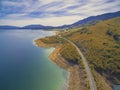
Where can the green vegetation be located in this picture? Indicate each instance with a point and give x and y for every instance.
(53, 40)
(70, 53)
(101, 45)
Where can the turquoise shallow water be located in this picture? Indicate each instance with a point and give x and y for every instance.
(116, 87)
(24, 66)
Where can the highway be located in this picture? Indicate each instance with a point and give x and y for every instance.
(87, 68)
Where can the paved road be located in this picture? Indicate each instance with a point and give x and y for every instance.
(90, 76)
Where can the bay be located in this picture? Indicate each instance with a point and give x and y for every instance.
(24, 66)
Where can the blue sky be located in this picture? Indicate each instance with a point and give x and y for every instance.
(52, 12)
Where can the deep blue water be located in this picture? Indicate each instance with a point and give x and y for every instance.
(24, 66)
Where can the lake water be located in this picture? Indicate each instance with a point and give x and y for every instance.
(24, 66)
(116, 87)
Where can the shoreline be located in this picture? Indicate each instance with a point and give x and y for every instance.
(74, 81)
(77, 79)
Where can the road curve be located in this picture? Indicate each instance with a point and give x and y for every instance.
(88, 70)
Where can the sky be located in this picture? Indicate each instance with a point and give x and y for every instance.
(52, 12)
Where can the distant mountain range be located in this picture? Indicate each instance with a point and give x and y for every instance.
(37, 27)
(89, 20)
(27, 27)
(9, 27)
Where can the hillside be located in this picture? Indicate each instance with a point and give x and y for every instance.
(93, 19)
(101, 45)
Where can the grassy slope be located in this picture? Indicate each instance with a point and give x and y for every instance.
(101, 45)
(68, 51)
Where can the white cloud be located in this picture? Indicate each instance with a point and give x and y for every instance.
(54, 21)
(55, 12)
(96, 7)
(47, 1)
(16, 4)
